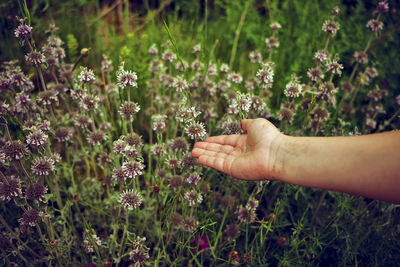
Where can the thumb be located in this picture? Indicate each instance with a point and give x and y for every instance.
(246, 124)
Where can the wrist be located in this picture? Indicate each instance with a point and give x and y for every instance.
(280, 151)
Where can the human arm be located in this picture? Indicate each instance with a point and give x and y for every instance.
(366, 165)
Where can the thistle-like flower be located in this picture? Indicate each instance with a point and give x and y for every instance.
(23, 31)
(235, 77)
(266, 75)
(193, 197)
(153, 51)
(330, 27)
(196, 130)
(126, 78)
(86, 75)
(36, 192)
(96, 137)
(30, 217)
(129, 109)
(168, 56)
(255, 56)
(275, 26)
(293, 88)
(375, 25)
(193, 179)
(89, 102)
(272, 42)
(13, 150)
(334, 66)
(130, 199)
(158, 123)
(132, 169)
(36, 138)
(63, 134)
(35, 58)
(315, 74)
(10, 188)
(42, 166)
(180, 84)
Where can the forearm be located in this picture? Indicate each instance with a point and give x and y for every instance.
(363, 165)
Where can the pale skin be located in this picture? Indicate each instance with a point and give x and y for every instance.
(367, 165)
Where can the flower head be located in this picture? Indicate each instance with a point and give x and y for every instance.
(86, 75)
(36, 192)
(193, 179)
(196, 130)
(129, 109)
(180, 84)
(63, 134)
(13, 150)
(293, 88)
(30, 217)
(9, 188)
(42, 166)
(126, 78)
(266, 75)
(130, 199)
(330, 27)
(96, 137)
(36, 138)
(168, 56)
(35, 58)
(23, 31)
(132, 169)
(193, 197)
(375, 25)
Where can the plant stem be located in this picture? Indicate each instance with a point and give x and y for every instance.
(237, 33)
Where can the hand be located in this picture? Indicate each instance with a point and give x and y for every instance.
(250, 156)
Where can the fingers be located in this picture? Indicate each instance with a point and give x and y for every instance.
(246, 124)
(230, 140)
(223, 164)
(214, 147)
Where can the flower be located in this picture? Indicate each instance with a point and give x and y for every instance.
(375, 25)
(235, 77)
(168, 56)
(47, 97)
(224, 68)
(175, 182)
(130, 199)
(334, 67)
(188, 161)
(361, 57)
(193, 179)
(119, 174)
(266, 75)
(180, 84)
(245, 214)
(89, 102)
(382, 7)
(255, 56)
(330, 27)
(88, 241)
(153, 51)
(196, 130)
(132, 169)
(9, 188)
(139, 253)
(86, 75)
(196, 49)
(232, 231)
(272, 42)
(158, 123)
(190, 224)
(42, 166)
(275, 26)
(36, 138)
(293, 88)
(321, 56)
(286, 114)
(315, 74)
(83, 121)
(131, 152)
(13, 150)
(63, 134)
(126, 78)
(105, 64)
(158, 150)
(36, 192)
(179, 144)
(129, 109)
(30, 217)
(96, 137)
(23, 31)
(193, 197)
(35, 58)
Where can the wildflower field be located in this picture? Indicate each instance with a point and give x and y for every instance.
(101, 103)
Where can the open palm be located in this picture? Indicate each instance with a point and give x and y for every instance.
(249, 156)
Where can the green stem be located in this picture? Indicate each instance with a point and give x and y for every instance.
(237, 33)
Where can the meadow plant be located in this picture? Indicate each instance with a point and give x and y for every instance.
(93, 174)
